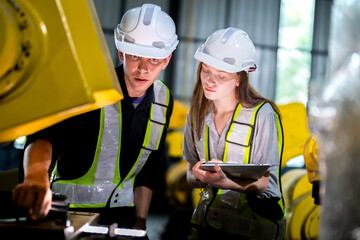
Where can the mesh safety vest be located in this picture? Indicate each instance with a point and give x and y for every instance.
(226, 209)
(102, 183)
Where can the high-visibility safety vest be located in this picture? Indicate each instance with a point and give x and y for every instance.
(102, 183)
(228, 210)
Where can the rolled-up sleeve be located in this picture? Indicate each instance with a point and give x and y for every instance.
(265, 143)
(266, 147)
(189, 152)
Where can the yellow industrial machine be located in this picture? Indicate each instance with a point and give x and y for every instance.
(296, 130)
(177, 189)
(54, 64)
(302, 214)
(312, 160)
(178, 118)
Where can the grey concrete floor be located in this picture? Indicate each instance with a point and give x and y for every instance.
(156, 223)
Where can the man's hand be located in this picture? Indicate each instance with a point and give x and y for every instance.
(34, 195)
(140, 223)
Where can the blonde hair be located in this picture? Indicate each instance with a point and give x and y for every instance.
(245, 94)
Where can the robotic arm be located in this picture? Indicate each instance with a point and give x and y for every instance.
(54, 64)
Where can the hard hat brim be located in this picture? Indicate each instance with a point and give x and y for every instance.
(217, 63)
(144, 51)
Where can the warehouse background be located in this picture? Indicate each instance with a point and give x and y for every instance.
(307, 56)
(291, 40)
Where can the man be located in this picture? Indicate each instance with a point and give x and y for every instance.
(108, 159)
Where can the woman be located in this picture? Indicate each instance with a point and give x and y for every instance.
(229, 121)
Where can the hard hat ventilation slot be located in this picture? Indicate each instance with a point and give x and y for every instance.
(148, 15)
(159, 44)
(206, 51)
(227, 35)
(230, 61)
(129, 39)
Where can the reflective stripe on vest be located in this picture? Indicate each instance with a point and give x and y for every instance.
(230, 203)
(101, 183)
(238, 138)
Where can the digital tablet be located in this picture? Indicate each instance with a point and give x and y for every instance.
(236, 170)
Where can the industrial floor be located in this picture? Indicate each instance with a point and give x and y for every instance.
(156, 224)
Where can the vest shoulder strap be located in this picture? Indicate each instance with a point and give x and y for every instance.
(240, 134)
(157, 119)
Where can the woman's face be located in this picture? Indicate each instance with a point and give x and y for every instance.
(218, 84)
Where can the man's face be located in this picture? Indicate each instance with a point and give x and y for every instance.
(141, 72)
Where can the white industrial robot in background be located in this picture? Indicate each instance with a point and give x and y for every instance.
(335, 115)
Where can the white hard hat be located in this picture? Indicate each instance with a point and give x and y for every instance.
(146, 31)
(229, 50)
